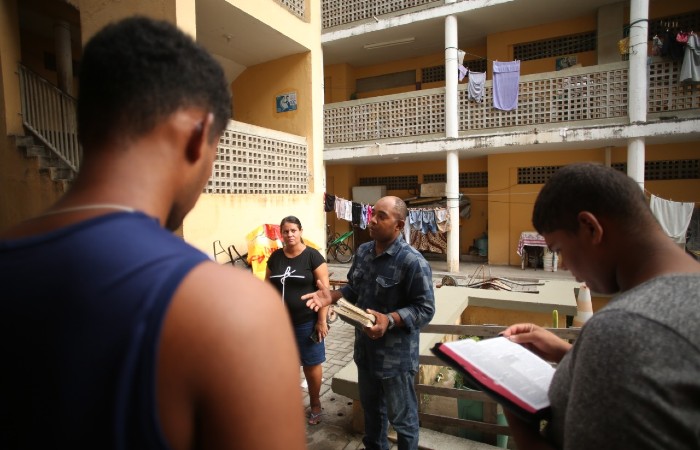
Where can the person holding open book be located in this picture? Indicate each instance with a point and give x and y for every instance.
(391, 280)
(294, 270)
(632, 378)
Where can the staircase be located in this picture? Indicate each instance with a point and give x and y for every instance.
(47, 161)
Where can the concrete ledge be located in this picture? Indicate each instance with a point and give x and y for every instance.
(433, 440)
(449, 304)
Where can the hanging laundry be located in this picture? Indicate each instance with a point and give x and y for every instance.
(674, 217)
(356, 214)
(690, 70)
(506, 76)
(328, 202)
(463, 71)
(477, 80)
(415, 219)
(428, 221)
(442, 217)
(339, 212)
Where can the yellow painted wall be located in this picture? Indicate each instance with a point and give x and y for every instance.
(500, 45)
(481, 315)
(255, 91)
(510, 205)
(230, 218)
(341, 82)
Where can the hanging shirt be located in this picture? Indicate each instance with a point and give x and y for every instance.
(462, 72)
(329, 203)
(477, 80)
(690, 70)
(674, 217)
(506, 76)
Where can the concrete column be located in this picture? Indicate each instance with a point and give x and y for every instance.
(64, 56)
(637, 89)
(451, 132)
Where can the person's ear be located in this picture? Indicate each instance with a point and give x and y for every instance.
(199, 138)
(591, 227)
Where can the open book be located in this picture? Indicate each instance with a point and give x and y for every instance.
(508, 372)
(353, 315)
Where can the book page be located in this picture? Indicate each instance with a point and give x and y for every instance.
(510, 366)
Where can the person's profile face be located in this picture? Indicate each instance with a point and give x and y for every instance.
(585, 261)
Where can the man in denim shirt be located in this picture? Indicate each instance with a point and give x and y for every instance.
(392, 281)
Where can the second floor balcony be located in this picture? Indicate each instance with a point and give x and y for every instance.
(578, 97)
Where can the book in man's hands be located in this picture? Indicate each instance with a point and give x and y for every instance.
(353, 315)
(509, 373)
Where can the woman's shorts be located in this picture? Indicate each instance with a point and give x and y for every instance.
(311, 353)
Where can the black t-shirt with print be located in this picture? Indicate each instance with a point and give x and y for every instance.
(294, 277)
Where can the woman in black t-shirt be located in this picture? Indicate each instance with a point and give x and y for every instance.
(294, 270)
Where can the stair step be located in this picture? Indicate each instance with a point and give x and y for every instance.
(37, 150)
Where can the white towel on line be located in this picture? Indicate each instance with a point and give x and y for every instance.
(674, 217)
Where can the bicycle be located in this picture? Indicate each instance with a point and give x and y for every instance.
(338, 249)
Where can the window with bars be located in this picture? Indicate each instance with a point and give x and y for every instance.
(681, 169)
(466, 179)
(560, 46)
(432, 74)
(476, 65)
(396, 183)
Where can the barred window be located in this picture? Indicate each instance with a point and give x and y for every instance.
(397, 183)
(476, 65)
(535, 175)
(560, 46)
(466, 179)
(432, 74)
(681, 169)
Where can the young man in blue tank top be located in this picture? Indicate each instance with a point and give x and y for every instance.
(115, 334)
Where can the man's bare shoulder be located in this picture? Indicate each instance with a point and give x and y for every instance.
(224, 325)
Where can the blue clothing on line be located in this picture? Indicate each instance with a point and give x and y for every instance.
(80, 322)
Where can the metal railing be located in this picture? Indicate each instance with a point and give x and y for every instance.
(51, 116)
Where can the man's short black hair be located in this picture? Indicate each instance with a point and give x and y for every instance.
(600, 190)
(138, 71)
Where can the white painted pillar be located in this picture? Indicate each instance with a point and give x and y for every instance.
(637, 89)
(451, 132)
(64, 56)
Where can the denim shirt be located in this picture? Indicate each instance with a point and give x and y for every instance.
(399, 280)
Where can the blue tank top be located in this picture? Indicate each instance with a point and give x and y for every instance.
(81, 311)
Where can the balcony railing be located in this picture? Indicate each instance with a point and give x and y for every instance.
(341, 12)
(257, 160)
(296, 7)
(582, 94)
(50, 114)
